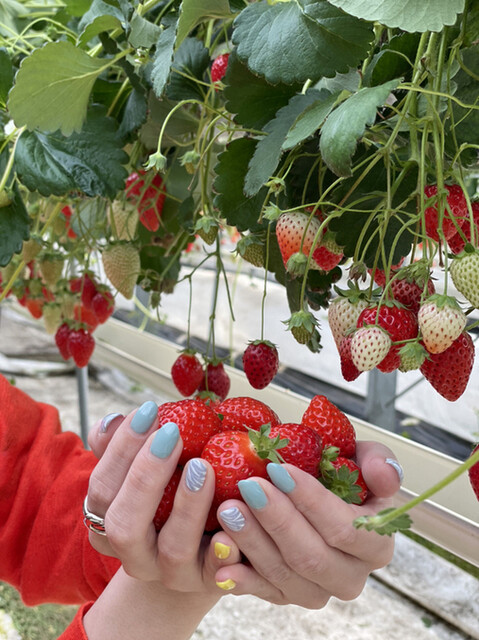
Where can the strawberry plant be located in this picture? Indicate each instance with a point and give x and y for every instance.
(132, 131)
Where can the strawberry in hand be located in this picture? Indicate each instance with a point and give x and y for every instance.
(242, 413)
(343, 477)
(331, 424)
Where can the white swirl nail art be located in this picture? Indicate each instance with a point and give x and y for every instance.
(195, 474)
(107, 420)
(399, 470)
(233, 519)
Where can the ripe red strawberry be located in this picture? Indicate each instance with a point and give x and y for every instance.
(218, 67)
(332, 424)
(441, 321)
(187, 373)
(369, 346)
(455, 213)
(448, 372)
(458, 241)
(103, 303)
(122, 267)
(343, 314)
(379, 275)
(235, 456)
(473, 473)
(209, 398)
(166, 504)
(241, 412)
(196, 421)
(464, 272)
(147, 191)
(344, 478)
(296, 232)
(409, 291)
(35, 305)
(215, 380)
(399, 322)
(81, 345)
(68, 212)
(85, 316)
(260, 363)
(304, 446)
(349, 370)
(61, 340)
(328, 254)
(86, 286)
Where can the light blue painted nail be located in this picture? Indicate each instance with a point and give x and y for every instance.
(395, 465)
(280, 477)
(143, 418)
(165, 440)
(252, 494)
(233, 518)
(195, 474)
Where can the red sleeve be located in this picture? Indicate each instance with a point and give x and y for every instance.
(45, 552)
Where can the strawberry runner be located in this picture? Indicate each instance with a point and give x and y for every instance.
(44, 476)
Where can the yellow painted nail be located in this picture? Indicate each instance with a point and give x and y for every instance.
(222, 551)
(227, 585)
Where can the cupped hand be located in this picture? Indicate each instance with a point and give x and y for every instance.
(136, 463)
(299, 538)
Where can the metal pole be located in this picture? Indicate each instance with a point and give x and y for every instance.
(82, 386)
(380, 409)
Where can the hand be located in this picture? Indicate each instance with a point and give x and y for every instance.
(300, 541)
(136, 463)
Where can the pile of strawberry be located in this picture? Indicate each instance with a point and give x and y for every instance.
(407, 325)
(241, 435)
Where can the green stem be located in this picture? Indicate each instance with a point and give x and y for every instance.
(11, 159)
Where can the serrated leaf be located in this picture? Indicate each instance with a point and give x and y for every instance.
(409, 15)
(269, 148)
(298, 41)
(90, 161)
(395, 59)
(161, 67)
(193, 12)
(99, 18)
(14, 228)
(240, 210)
(143, 33)
(52, 88)
(6, 75)
(311, 119)
(250, 98)
(189, 65)
(347, 123)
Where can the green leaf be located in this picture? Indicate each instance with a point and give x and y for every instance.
(14, 228)
(240, 210)
(77, 8)
(409, 15)
(90, 161)
(6, 75)
(143, 33)
(160, 71)
(395, 59)
(134, 113)
(53, 87)
(10, 10)
(189, 65)
(253, 101)
(101, 17)
(298, 41)
(193, 12)
(311, 119)
(347, 123)
(268, 150)
(180, 125)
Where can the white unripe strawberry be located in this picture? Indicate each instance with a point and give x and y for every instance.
(369, 346)
(441, 321)
(342, 316)
(464, 272)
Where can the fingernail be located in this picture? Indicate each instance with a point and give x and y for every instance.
(280, 477)
(222, 551)
(226, 585)
(195, 474)
(252, 494)
(143, 418)
(107, 420)
(233, 518)
(165, 440)
(399, 470)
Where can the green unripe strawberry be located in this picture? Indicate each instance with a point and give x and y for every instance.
(464, 272)
(51, 267)
(302, 325)
(207, 228)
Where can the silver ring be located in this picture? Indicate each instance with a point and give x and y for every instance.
(91, 521)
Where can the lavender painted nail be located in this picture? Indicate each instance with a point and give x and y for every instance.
(233, 519)
(195, 474)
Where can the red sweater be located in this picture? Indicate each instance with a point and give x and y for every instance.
(45, 552)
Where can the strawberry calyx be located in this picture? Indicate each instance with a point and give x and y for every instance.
(302, 325)
(296, 264)
(266, 447)
(443, 300)
(353, 293)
